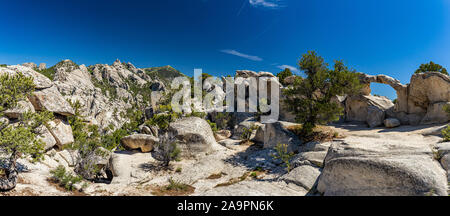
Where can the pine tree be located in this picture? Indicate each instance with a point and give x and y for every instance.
(431, 67)
(20, 139)
(310, 98)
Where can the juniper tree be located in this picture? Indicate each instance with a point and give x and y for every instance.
(310, 98)
(167, 150)
(20, 139)
(431, 67)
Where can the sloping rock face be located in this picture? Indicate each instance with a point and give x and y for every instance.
(50, 99)
(419, 102)
(100, 106)
(46, 136)
(443, 150)
(364, 166)
(194, 136)
(62, 132)
(304, 176)
(40, 81)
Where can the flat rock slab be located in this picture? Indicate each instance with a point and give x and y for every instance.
(389, 166)
(256, 188)
(304, 176)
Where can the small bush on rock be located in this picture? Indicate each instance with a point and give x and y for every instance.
(64, 179)
(247, 133)
(167, 150)
(431, 67)
(213, 126)
(284, 155)
(446, 134)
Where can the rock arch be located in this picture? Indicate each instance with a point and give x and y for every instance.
(419, 102)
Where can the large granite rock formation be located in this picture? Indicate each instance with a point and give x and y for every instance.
(365, 166)
(419, 102)
(194, 136)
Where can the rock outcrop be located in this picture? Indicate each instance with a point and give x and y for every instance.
(51, 100)
(40, 81)
(367, 108)
(363, 166)
(419, 102)
(144, 142)
(62, 132)
(95, 165)
(278, 133)
(46, 97)
(194, 136)
(443, 152)
(21, 108)
(222, 134)
(304, 176)
(391, 122)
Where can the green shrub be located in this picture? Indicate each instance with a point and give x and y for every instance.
(283, 155)
(447, 109)
(48, 72)
(162, 120)
(167, 150)
(223, 120)
(65, 179)
(3, 65)
(175, 185)
(87, 138)
(247, 132)
(106, 88)
(136, 89)
(196, 114)
(431, 67)
(446, 134)
(213, 126)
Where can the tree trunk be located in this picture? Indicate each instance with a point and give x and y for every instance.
(11, 174)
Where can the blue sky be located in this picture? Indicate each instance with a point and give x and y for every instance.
(390, 37)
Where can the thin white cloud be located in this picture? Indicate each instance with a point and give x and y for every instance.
(242, 55)
(292, 68)
(265, 3)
